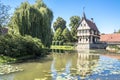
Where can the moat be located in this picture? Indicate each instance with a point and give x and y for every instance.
(70, 65)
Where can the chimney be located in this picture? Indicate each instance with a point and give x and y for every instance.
(92, 20)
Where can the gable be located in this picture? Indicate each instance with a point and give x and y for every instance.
(83, 25)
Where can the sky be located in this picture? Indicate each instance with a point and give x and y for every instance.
(106, 13)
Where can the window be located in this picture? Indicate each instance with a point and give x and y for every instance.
(81, 24)
(86, 39)
(84, 24)
(79, 32)
(80, 39)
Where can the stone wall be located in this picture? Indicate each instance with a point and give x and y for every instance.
(91, 46)
(98, 46)
(83, 46)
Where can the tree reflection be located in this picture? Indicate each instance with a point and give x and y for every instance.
(73, 66)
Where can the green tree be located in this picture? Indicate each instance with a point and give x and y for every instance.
(119, 31)
(59, 23)
(0, 29)
(66, 35)
(34, 20)
(58, 35)
(4, 15)
(74, 23)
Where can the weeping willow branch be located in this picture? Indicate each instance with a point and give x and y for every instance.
(34, 20)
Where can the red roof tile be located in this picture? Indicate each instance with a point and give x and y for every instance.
(110, 37)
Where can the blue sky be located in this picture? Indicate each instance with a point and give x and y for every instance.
(106, 13)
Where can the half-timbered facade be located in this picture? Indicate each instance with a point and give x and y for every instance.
(88, 33)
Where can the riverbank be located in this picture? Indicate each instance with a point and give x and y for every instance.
(7, 63)
(115, 49)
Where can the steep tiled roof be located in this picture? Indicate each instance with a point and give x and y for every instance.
(110, 37)
(92, 25)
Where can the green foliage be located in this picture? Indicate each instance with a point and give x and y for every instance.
(114, 46)
(69, 44)
(53, 42)
(66, 35)
(60, 42)
(34, 20)
(18, 46)
(57, 42)
(0, 29)
(4, 16)
(58, 35)
(60, 23)
(73, 34)
(119, 31)
(5, 59)
(74, 23)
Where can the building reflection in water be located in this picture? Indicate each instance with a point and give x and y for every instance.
(86, 62)
(74, 67)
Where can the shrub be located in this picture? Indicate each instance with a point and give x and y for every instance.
(53, 42)
(69, 44)
(18, 46)
(56, 42)
(60, 43)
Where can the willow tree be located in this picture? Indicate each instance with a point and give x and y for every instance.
(34, 20)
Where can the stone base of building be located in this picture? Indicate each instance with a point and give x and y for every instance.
(91, 46)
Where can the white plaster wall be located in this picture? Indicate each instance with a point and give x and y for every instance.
(83, 27)
(83, 46)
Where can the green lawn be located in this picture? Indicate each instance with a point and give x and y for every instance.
(62, 47)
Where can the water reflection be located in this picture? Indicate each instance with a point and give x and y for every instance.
(75, 66)
(55, 73)
(79, 65)
(58, 51)
(7, 77)
(86, 62)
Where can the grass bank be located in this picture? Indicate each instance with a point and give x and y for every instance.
(63, 47)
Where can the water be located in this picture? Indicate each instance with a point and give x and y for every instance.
(78, 65)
